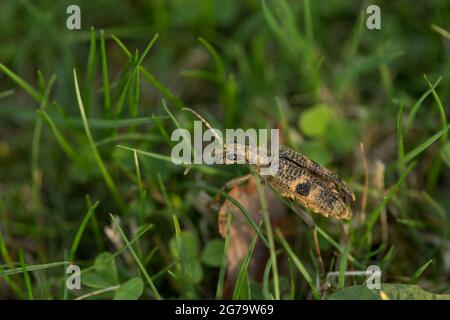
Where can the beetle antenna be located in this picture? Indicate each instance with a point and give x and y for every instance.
(206, 123)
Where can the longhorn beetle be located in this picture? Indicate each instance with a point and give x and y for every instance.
(297, 178)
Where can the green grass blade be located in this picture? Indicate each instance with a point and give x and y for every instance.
(121, 101)
(138, 171)
(106, 90)
(26, 276)
(37, 267)
(62, 141)
(242, 209)
(440, 109)
(149, 154)
(343, 265)
(419, 271)
(165, 195)
(137, 260)
(90, 70)
(374, 216)
(388, 258)
(141, 232)
(6, 93)
(298, 264)
(129, 136)
(441, 31)
(121, 123)
(79, 234)
(243, 271)
(24, 85)
(205, 169)
(266, 285)
(220, 69)
(400, 145)
(339, 248)
(121, 46)
(424, 145)
(223, 264)
(175, 121)
(184, 263)
(147, 49)
(415, 108)
(36, 144)
(109, 182)
(307, 15)
(160, 87)
(268, 225)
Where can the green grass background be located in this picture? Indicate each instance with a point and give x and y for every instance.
(310, 68)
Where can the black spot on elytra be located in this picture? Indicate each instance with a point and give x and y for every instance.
(303, 189)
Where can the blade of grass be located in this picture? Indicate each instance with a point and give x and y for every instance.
(119, 123)
(109, 182)
(137, 260)
(374, 216)
(37, 267)
(142, 193)
(223, 264)
(292, 279)
(36, 144)
(266, 286)
(143, 231)
(400, 145)
(175, 121)
(147, 49)
(9, 264)
(339, 248)
(343, 265)
(355, 38)
(415, 108)
(36, 95)
(62, 141)
(243, 271)
(134, 105)
(307, 15)
(419, 271)
(424, 145)
(121, 46)
(441, 31)
(440, 109)
(268, 225)
(106, 90)
(241, 208)
(298, 264)
(202, 168)
(6, 93)
(165, 195)
(26, 276)
(129, 136)
(147, 153)
(388, 258)
(64, 283)
(90, 70)
(220, 69)
(184, 263)
(97, 292)
(411, 223)
(160, 87)
(79, 234)
(95, 227)
(121, 101)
